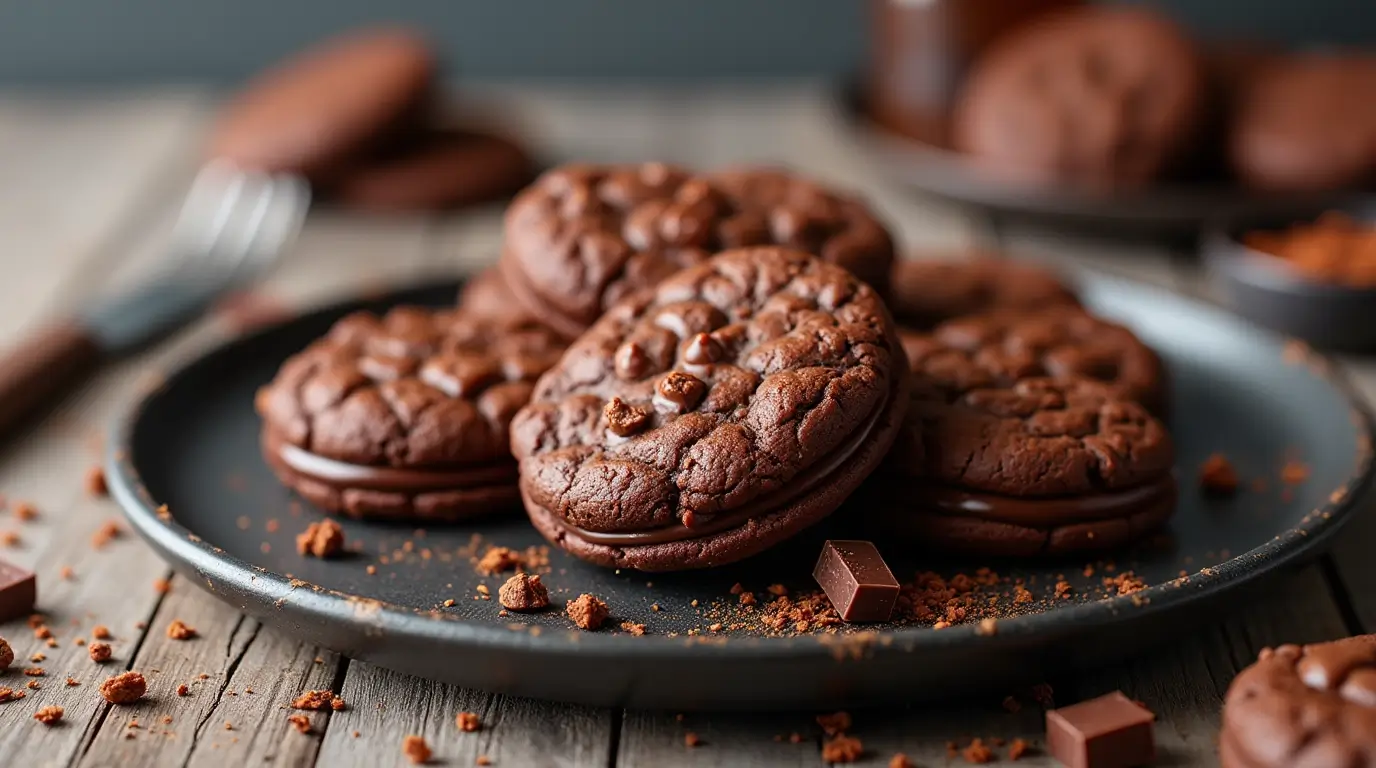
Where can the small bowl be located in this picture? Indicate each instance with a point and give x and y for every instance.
(1267, 291)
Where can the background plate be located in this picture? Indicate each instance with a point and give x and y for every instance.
(192, 444)
(1173, 210)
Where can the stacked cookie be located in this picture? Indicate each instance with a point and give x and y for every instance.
(733, 373)
(1108, 96)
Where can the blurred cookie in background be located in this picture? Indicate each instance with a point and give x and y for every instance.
(928, 291)
(1307, 123)
(1101, 97)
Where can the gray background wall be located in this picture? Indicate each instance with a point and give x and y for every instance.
(101, 41)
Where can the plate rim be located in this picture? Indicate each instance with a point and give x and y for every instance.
(265, 594)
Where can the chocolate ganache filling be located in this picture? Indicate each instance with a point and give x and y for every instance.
(372, 477)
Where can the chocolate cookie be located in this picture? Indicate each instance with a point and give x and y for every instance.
(1307, 123)
(1098, 96)
(486, 295)
(404, 416)
(442, 169)
(925, 292)
(714, 416)
(1040, 467)
(998, 348)
(1303, 706)
(312, 111)
(583, 237)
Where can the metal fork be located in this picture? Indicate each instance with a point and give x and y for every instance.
(232, 226)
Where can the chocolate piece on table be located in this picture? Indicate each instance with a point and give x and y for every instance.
(18, 591)
(1111, 731)
(857, 581)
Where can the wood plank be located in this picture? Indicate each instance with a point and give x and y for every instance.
(71, 236)
(744, 739)
(241, 678)
(385, 707)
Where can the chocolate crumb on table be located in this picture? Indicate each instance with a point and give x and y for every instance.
(498, 560)
(900, 760)
(1217, 477)
(635, 629)
(978, 753)
(415, 749)
(182, 690)
(1018, 749)
(468, 722)
(107, 532)
(483, 760)
(9, 694)
(321, 539)
(24, 511)
(99, 652)
(100, 632)
(691, 739)
(179, 630)
(842, 749)
(318, 701)
(124, 689)
(301, 723)
(95, 482)
(835, 724)
(49, 715)
(6, 655)
(587, 611)
(1294, 472)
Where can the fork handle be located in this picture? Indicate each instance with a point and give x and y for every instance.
(43, 367)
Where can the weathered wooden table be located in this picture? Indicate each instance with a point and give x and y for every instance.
(88, 187)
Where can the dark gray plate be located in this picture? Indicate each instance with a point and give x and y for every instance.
(1173, 209)
(192, 445)
(1264, 289)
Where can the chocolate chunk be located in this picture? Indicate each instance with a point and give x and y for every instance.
(857, 581)
(18, 591)
(1111, 731)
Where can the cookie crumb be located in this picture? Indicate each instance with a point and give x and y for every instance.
(73, 682)
(6, 655)
(301, 723)
(523, 592)
(371, 570)
(95, 482)
(100, 632)
(835, 724)
(1018, 749)
(842, 749)
(987, 628)
(587, 612)
(49, 715)
(162, 586)
(321, 539)
(179, 630)
(1063, 590)
(24, 511)
(35, 671)
(1043, 695)
(1217, 477)
(105, 534)
(9, 694)
(99, 652)
(977, 753)
(9, 539)
(66, 573)
(690, 739)
(633, 628)
(1011, 705)
(1294, 472)
(124, 689)
(38, 657)
(900, 760)
(468, 722)
(318, 701)
(415, 749)
(498, 560)
(483, 760)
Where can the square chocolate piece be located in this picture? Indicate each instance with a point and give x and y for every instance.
(857, 581)
(18, 591)
(1111, 731)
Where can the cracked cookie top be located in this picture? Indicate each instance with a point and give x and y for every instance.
(414, 388)
(1309, 705)
(1036, 437)
(716, 388)
(925, 292)
(583, 237)
(999, 348)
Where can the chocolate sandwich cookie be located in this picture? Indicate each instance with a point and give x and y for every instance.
(440, 169)
(1099, 96)
(1000, 348)
(1307, 123)
(1040, 467)
(404, 416)
(709, 418)
(327, 105)
(1312, 705)
(925, 292)
(583, 237)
